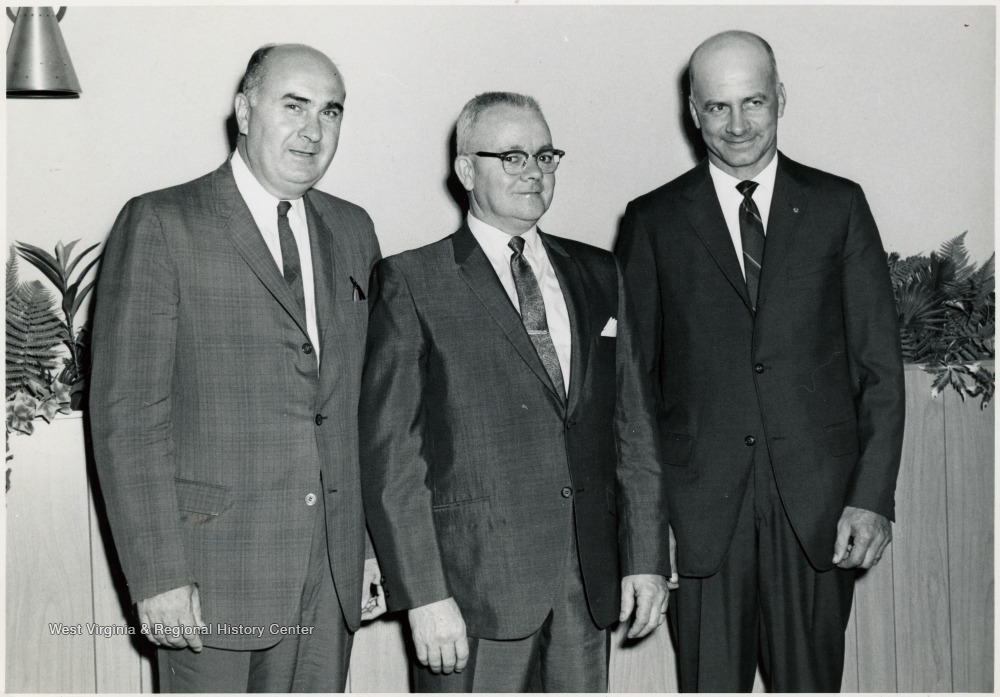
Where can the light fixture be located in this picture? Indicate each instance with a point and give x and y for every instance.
(38, 63)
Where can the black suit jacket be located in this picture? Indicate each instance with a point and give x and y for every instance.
(816, 376)
(474, 471)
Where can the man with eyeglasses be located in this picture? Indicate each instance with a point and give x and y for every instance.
(509, 464)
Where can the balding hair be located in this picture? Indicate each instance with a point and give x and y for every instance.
(254, 74)
(730, 36)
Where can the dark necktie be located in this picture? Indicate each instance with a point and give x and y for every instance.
(290, 256)
(529, 297)
(752, 237)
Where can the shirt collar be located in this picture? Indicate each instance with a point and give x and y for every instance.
(262, 204)
(494, 241)
(765, 179)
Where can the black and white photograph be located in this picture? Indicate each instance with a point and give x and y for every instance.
(317, 382)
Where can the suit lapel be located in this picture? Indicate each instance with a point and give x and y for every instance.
(705, 216)
(242, 230)
(321, 244)
(787, 205)
(475, 269)
(574, 293)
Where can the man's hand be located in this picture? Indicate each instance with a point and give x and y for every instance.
(372, 605)
(862, 537)
(647, 594)
(173, 611)
(439, 636)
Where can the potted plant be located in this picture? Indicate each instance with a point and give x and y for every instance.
(46, 353)
(947, 314)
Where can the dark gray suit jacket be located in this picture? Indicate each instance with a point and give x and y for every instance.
(205, 402)
(475, 474)
(816, 376)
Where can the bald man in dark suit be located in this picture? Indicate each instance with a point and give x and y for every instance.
(767, 319)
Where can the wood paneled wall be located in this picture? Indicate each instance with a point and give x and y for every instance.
(922, 619)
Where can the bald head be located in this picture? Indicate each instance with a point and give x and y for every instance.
(288, 112)
(736, 101)
(730, 46)
(265, 56)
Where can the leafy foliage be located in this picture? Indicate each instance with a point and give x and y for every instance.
(34, 388)
(59, 269)
(947, 315)
(34, 332)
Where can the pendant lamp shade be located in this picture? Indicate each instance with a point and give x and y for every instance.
(38, 63)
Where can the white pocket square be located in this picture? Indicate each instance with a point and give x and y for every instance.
(611, 328)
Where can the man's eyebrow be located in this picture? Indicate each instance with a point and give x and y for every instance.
(524, 148)
(332, 104)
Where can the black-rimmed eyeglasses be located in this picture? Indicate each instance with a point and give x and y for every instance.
(515, 161)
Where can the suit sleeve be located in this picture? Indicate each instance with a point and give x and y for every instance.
(394, 467)
(875, 361)
(643, 529)
(634, 250)
(376, 256)
(135, 327)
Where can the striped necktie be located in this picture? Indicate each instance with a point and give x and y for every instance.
(752, 237)
(529, 297)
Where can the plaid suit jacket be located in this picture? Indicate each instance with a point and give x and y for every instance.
(211, 421)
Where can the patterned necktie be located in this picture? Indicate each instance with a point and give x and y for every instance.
(290, 256)
(529, 297)
(752, 237)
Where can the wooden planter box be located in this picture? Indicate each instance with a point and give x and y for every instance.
(922, 620)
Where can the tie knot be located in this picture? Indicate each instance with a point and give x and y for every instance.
(283, 208)
(517, 244)
(746, 188)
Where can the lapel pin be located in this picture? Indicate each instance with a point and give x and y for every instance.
(795, 210)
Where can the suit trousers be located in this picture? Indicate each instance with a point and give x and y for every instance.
(313, 662)
(568, 653)
(767, 600)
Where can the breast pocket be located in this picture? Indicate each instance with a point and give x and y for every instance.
(802, 272)
(350, 328)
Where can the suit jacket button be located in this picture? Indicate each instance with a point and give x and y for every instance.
(307, 349)
(310, 499)
(749, 440)
(759, 368)
(319, 419)
(566, 492)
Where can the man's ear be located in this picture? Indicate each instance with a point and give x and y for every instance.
(694, 112)
(242, 107)
(465, 171)
(781, 99)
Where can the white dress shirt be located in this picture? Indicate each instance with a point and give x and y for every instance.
(264, 209)
(494, 242)
(731, 199)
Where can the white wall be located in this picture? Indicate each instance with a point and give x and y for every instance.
(900, 99)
